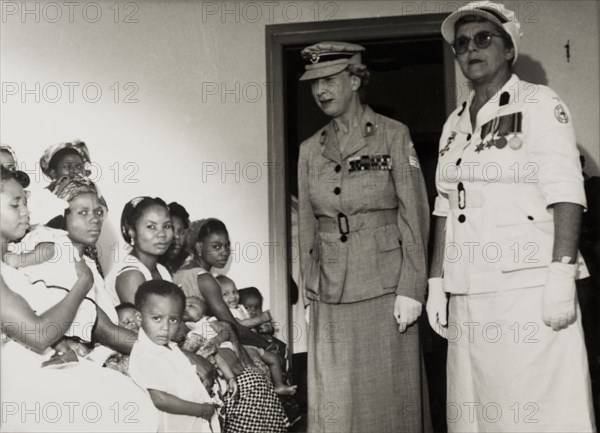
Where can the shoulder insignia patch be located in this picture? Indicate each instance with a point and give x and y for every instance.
(561, 114)
(413, 159)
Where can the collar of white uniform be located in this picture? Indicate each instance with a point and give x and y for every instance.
(489, 109)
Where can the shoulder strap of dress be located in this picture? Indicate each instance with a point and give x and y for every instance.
(131, 263)
(164, 272)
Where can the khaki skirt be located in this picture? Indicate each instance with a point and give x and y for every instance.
(363, 375)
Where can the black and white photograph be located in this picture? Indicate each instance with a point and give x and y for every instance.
(349, 216)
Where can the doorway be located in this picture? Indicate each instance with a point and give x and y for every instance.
(412, 81)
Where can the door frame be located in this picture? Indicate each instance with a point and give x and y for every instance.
(279, 36)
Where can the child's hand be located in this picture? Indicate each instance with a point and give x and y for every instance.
(266, 316)
(266, 328)
(232, 387)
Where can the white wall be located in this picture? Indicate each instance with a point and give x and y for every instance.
(183, 58)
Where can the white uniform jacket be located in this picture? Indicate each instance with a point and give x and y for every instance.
(495, 185)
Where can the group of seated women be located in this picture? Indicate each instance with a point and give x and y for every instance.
(156, 343)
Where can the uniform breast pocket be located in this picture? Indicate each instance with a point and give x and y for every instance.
(374, 180)
(525, 239)
(389, 256)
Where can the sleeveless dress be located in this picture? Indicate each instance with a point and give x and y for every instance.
(55, 277)
(129, 263)
(80, 397)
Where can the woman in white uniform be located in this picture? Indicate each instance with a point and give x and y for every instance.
(509, 206)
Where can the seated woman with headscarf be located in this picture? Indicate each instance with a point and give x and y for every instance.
(78, 226)
(83, 397)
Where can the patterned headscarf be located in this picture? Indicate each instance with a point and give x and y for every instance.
(7, 148)
(78, 146)
(67, 188)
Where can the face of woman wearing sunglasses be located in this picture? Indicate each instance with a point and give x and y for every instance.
(486, 58)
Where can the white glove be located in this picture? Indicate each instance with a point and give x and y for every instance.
(406, 311)
(558, 303)
(437, 304)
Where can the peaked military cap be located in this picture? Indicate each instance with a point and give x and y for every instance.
(330, 58)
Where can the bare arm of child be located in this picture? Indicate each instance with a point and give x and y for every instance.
(204, 369)
(17, 315)
(228, 374)
(172, 404)
(211, 291)
(256, 321)
(42, 252)
(223, 331)
(229, 357)
(111, 335)
(127, 284)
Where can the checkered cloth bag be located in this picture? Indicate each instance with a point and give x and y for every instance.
(256, 409)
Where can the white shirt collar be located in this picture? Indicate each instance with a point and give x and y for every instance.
(151, 346)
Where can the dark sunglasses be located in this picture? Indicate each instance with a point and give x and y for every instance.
(481, 39)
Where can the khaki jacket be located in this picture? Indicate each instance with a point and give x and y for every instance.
(363, 213)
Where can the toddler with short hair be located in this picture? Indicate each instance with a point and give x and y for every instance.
(231, 297)
(252, 300)
(158, 365)
(131, 319)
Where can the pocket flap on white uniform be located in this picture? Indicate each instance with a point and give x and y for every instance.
(525, 237)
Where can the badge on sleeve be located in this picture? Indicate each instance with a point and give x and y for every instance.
(561, 114)
(412, 158)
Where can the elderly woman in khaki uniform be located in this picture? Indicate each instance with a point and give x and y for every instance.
(510, 198)
(363, 218)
